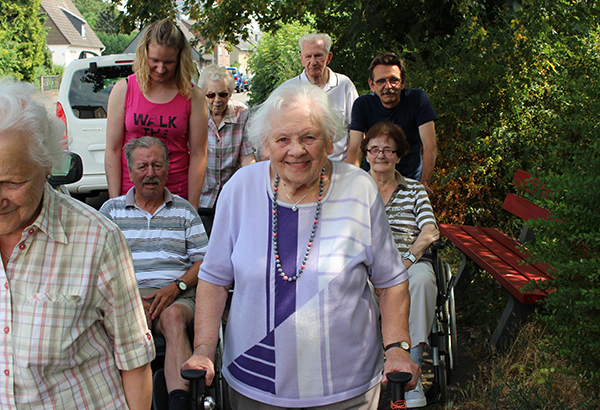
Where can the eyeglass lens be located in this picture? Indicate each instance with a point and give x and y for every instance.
(394, 81)
(213, 95)
(386, 151)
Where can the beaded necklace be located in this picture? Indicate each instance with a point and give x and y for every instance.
(312, 232)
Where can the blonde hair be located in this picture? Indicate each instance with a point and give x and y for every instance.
(165, 33)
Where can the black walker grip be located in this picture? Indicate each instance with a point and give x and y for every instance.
(397, 381)
(196, 378)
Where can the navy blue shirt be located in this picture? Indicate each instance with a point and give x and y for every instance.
(413, 110)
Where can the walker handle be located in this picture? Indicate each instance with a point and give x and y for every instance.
(196, 378)
(397, 381)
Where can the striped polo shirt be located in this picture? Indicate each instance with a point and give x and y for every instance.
(164, 245)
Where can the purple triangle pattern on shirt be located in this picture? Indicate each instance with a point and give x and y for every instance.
(256, 367)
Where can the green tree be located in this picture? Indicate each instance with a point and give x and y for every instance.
(275, 60)
(21, 26)
(91, 10)
(102, 17)
(9, 60)
(115, 43)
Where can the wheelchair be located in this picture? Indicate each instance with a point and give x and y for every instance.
(443, 336)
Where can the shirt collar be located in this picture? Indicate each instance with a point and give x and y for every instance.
(401, 180)
(331, 83)
(130, 198)
(230, 116)
(48, 221)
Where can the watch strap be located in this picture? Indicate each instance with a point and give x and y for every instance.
(396, 344)
(177, 282)
(409, 256)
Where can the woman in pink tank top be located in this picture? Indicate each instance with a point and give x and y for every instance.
(159, 100)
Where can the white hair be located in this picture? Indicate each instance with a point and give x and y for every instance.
(291, 94)
(214, 72)
(312, 37)
(20, 114)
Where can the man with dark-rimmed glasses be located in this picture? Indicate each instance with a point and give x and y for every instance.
(409, 108)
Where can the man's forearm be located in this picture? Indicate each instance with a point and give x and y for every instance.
(354, 154)
(428, 138)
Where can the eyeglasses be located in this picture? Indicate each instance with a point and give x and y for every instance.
(394, 81)
(386, 151)
(213, 95)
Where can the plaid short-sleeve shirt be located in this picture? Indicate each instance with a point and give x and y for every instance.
(226, 144)
(70, 311)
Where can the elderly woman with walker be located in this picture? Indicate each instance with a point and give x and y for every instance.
(302, 236)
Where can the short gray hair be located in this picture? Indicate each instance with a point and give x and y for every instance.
(290, 94)
(144, 142)
(312, 37)
(214, 72)
(22, 115)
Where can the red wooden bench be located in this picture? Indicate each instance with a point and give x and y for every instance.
(498, 254)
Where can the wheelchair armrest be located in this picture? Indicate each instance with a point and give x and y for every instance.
(439, 244)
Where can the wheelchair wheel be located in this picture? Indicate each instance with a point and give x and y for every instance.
(442, 380)
(220, 384)
(453, 348)
(438, 393)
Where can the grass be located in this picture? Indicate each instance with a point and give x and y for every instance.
(529, 375)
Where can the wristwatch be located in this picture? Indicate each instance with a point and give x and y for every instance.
(409, 256)
(402, 345)
(181, 285)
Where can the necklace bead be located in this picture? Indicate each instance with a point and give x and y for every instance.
(312, 232)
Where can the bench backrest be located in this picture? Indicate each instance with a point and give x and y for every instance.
(521, 207)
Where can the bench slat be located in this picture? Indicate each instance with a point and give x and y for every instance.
(523, 208)
(509, 242)
(490, 262)
(506, 250)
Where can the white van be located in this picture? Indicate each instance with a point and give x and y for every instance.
(82, 105)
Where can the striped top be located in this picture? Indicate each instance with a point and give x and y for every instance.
(315, 341)
(408, 211)
(71, 312)
(164, 245)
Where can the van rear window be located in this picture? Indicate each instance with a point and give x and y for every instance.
(90, 88)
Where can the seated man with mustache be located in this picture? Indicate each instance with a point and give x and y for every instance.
(408, 108)
(168, 243)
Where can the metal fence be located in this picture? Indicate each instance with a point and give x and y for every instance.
(49, 83)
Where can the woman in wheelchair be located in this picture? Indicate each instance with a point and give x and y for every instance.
(414, 228)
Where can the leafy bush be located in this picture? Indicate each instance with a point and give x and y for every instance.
(569, 241)
(524, 92)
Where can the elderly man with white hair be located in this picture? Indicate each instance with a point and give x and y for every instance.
(75, 333)
(315, 57)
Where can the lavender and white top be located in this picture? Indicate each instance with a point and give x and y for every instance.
(315, 341)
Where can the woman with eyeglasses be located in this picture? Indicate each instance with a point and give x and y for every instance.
(228, 144)
(159, 100)
(414, 228)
